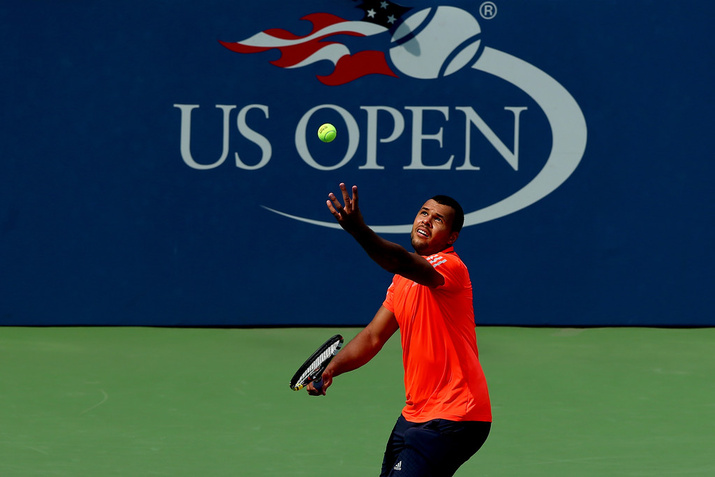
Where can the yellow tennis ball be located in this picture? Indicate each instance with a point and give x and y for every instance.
(327, 132)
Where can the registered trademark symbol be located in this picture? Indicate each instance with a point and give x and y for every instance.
(488, 10)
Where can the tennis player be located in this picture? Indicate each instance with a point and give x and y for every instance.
(447, 415)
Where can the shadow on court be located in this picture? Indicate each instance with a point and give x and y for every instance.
(216, 402)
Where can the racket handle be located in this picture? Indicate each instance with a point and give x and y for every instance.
(318, 384)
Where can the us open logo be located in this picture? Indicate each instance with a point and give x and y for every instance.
(428, 45)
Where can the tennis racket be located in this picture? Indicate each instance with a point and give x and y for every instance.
(312, 369)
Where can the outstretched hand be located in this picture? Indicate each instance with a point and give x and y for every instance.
(347, 213)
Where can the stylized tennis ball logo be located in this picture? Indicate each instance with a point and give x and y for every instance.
(431, 44)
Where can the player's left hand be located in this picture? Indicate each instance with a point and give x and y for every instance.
(348, 215)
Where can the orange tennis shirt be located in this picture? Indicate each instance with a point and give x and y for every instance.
(443, 376)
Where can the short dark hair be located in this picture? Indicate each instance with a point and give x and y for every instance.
(458, 220)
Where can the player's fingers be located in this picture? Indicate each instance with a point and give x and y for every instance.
(332, 209)
(326, 380)
(311, 390)
(346, 196)
(336, 205)
(355, 197)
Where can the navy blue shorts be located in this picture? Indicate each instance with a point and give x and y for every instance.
(432, 449)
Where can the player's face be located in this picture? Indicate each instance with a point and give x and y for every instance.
(432, 228)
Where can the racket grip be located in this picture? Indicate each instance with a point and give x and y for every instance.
(318, 384)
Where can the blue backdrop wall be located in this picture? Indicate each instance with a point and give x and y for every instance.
(160, 164)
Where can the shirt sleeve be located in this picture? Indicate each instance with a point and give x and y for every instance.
(453, 271)
(389, 296)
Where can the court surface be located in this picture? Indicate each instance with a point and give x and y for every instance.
(215, 402)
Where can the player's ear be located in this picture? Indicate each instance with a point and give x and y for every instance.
(453, 238)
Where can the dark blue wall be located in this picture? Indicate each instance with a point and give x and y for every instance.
(604, 215)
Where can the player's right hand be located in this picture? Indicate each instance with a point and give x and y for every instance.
(327, 380)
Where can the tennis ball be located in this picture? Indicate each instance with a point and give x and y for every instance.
(327, 132)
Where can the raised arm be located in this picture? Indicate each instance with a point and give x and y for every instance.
(391, 256)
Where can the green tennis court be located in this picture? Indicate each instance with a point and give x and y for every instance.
(216, 402)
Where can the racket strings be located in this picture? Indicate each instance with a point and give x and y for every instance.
(319, 362)
(314, 366)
